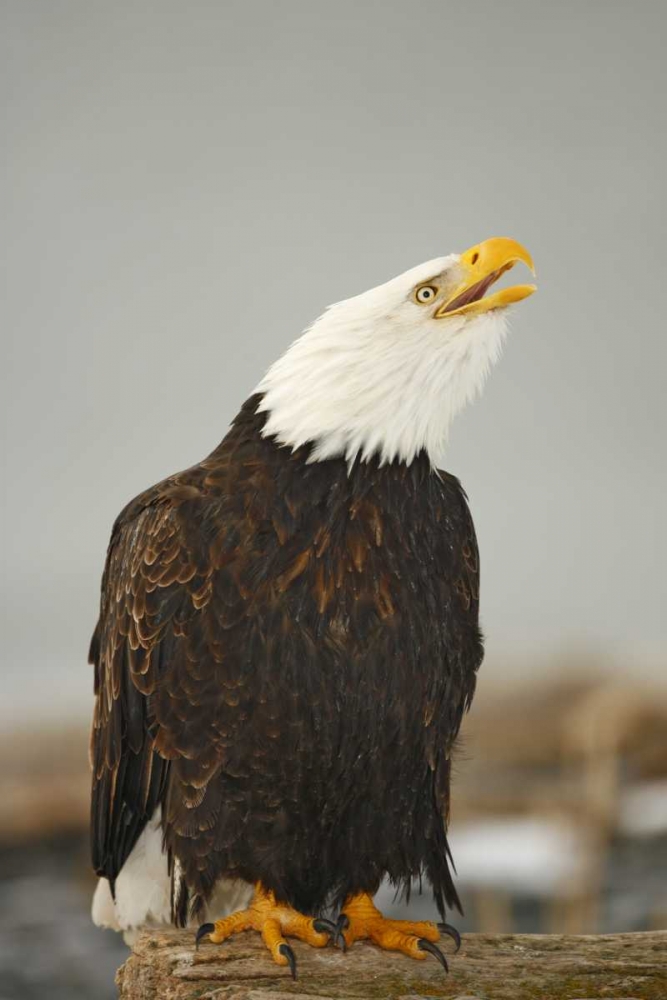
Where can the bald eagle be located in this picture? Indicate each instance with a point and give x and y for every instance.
(288, 634)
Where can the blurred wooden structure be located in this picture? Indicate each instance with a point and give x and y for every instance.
(44, 784)
(165, 966)
(585, 760)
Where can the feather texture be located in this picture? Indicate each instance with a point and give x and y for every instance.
(284, 654)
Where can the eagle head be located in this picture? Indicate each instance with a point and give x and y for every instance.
(383, 374)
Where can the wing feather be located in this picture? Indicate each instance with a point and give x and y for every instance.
(147, 596)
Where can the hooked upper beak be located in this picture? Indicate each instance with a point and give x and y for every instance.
(481, 266)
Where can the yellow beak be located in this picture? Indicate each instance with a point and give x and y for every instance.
(481, 266)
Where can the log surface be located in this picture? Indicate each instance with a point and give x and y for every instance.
(165, 965)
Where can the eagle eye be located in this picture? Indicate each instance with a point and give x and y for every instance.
(426, 293)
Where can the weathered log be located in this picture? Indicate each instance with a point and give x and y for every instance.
(165, 965)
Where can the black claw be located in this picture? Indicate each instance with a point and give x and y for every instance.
(324, 926)
(452, 932)
(342, 924)
(334, 930)
(285, 950)
(202, 932)
(433, 950)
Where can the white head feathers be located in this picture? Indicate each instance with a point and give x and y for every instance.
(378, 374)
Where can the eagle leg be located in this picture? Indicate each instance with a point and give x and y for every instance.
(273, 921)
(413, 938)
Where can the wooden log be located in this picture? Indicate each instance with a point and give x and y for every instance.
(165, 965)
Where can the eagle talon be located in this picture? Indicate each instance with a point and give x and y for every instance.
(324, 926)
(433, 949)
(286, 952)
(452, 933)
(335, 930)
(342, 924)
(202, 933)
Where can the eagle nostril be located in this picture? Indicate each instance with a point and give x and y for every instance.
(474, 258)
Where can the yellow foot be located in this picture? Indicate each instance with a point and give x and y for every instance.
(273, 921)
(360, 918)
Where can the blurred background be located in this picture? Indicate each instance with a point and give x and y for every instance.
(184, 188)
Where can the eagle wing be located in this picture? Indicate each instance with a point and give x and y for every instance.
(155, 581)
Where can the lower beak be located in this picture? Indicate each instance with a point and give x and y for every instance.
(481, 266)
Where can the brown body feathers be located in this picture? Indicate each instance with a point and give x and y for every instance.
(283, 657)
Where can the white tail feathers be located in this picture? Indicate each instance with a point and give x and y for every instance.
(143, 890)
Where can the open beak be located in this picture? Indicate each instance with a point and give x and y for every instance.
(481, 266)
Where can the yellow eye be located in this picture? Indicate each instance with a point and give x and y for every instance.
(426, 294)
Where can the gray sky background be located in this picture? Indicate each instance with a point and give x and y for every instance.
(186, 185)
